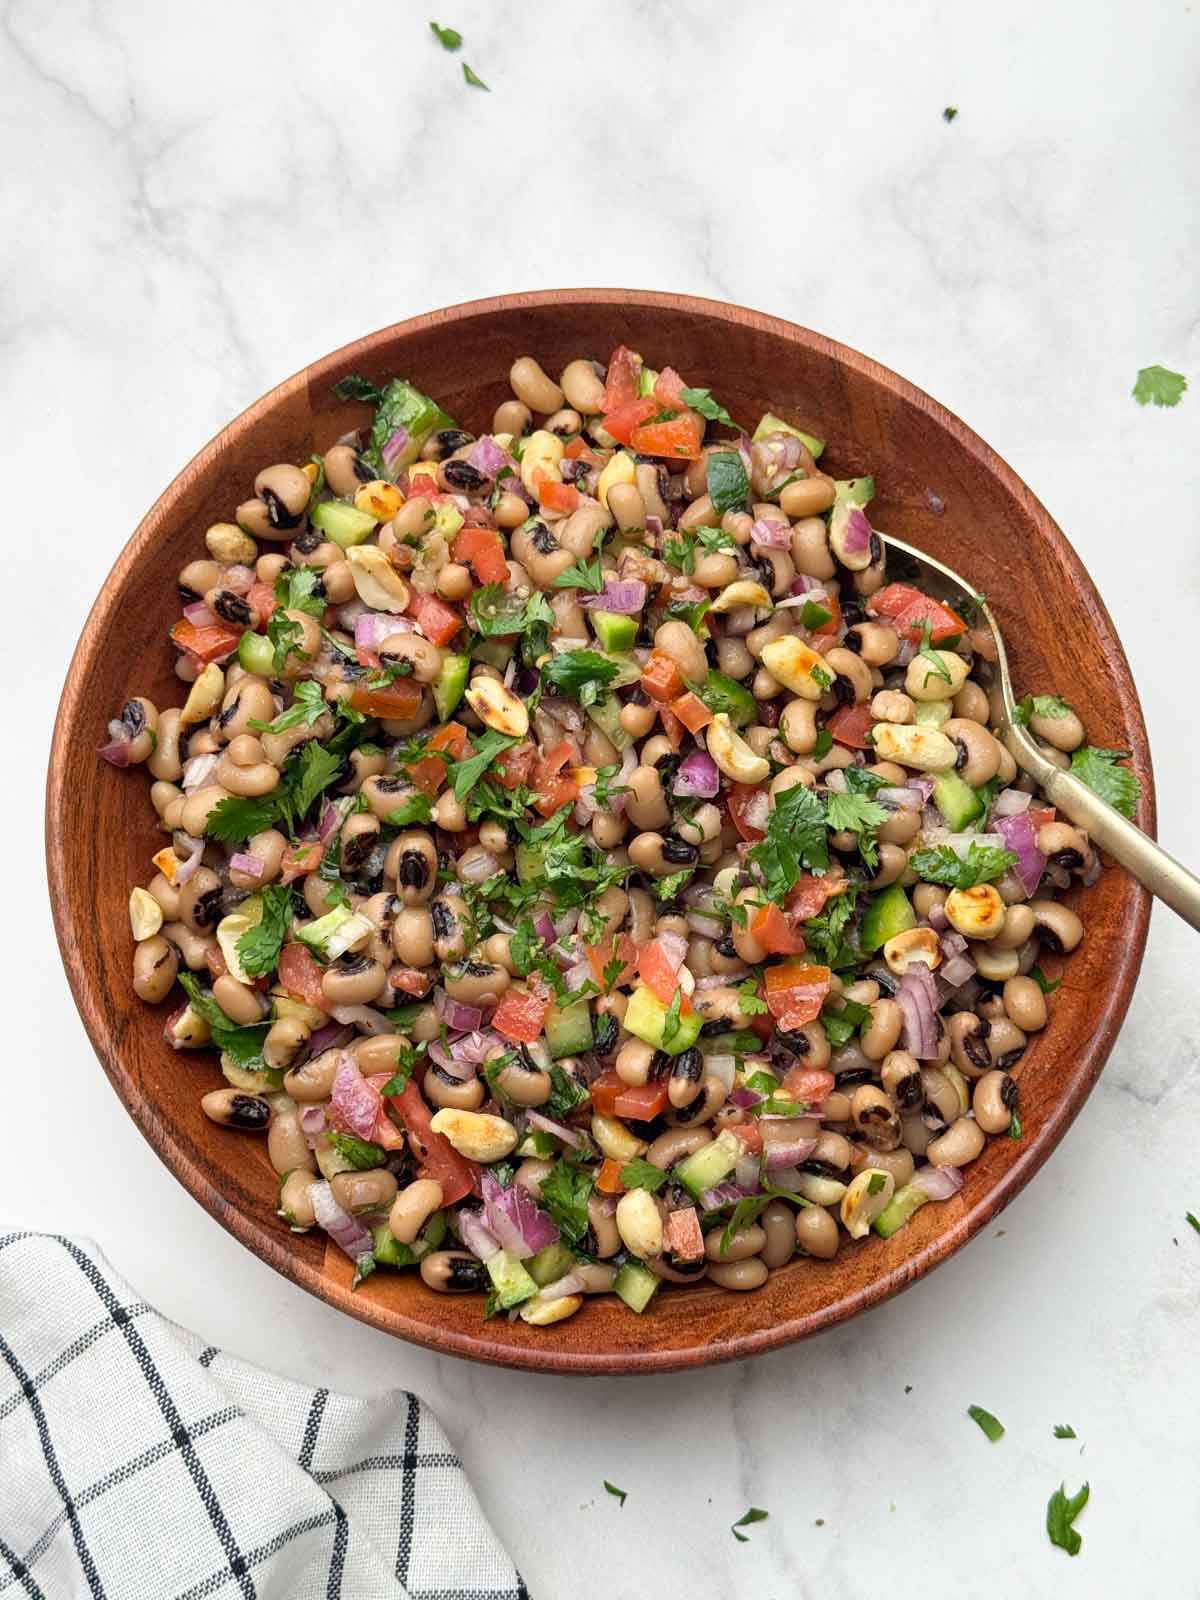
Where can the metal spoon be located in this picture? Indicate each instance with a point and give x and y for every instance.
(1166, 878)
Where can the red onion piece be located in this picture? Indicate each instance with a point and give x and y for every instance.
(188, 866)
(252, 866)
(116, 751)
(559, 1130)
(577, 976)
(746, 1174)
(722, 1194)
(199, 615)
(329, 1037)
(788, 1154)
(905, 799)
(1019, 835)
(771, 535)
(674, 947)
(626, 596)
(758, 812)
(240, 579)
(346, 1231)
(480, 868)
(654, 526)
(516, 1219)
(917, 995)
(858, 531)
(706, 927)
(199, 771)
(365, 1018)
(393, 447)
(459, 1018)
(1011, 803)
(722, 1067)
(957, 971)
(802, 584)
(938, 919)
(331, 821)
(354, 1101)
(922, 786)
(939, 1183)
(476, 1235)
(743, 1099)
(698, 777)
(487, 457)
(454, 1066)
(953, 944)
(312, 1125)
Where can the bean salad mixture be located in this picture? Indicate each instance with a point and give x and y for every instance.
(593, 872)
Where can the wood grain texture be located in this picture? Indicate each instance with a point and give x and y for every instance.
(100, 829)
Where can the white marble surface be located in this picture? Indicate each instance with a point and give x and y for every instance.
(200, 199)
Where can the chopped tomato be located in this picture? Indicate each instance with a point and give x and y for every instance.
(202, 645)
(608, 1179)
(386, 1132)
(807, 1084)
(429, 773)
(621, 382)
(660, 973)
(580, 450)
(682, 1237)
(742, 798)
(808, 895)
(299, 860)
(301, 976)
(773, 931)
(660, 677)
(410, 981)
(671, 726)
(679, 437)
(624, 420)
(606, 952)
(365, 657)
(555, 496)
(439, 1159)
(481, 550)
(553, 788)
(833, 605)
(692, 712)
(849, 725)
(397, 700)
(521, 1017)
(796, 993)
(749, 1136)
(1041, 816)
(612, 1097)
(668, 389)
(436, 620)
(907, 609)
(512, 767)
(260, 597)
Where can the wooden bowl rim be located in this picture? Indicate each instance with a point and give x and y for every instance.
(270, 1244)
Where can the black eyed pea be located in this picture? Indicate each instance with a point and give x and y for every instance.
(316, 894)
(807, 497)
(285, 490)
(941, 1095)
(497, 949)
(816, 1232)
(513, 417)
(449, 940)
(874, 642)
(659, 855)
(267, 568)
(639, 1223)
(412, 1209)
(155, 966)
(743, 1244)
(583, 387)
(1007, 770)
(1064, 846)
(961, 1143)
(878, 1038)
(703, 1107)
(475, 983)
(677, 640)
(412, 861)
(254, 517)
(168, 800)
(353, 980)
(701, 513)
(533, 388)
(1006, 1042)
(686, 1071)
(358, 839)
(798, 725)
(901, 827)
(1064, 733)
(901, 1078)
(532, 1173)
(733, 659)
(196, 807)
(233, 1108)
(637, 717)
(413, 937)
(627, 506)
(1019, 925)
(994, 965)
(454, 1272)
(359, 1192)
(889, 705)
(968, 1036)
(923, 680)
(166, 894)
(603, 1224)
(341, 470)
(978, 753)
(193, 948)
(238, 1001)
(634, 1061)
(645, 805)
(893, 863)
(875, 1117)
(524, 1084)
(899, 1163)
(915, 1134)
(779, 1235)
(312, 1081)
(197, 578)
(453, 1094)
(1025, 1003)
(420, 654)
(384, 793)
(928, 897)
(295, 1199)
(245, 698)
(855, 672)
(164, 760)
(286, 1145)
(593, 1277)
(244, 769)
(994, 1101)
(476, 1135)
(740, 1275)
(976, 913)
(972, 702)
(285, 1039)
(810, 548)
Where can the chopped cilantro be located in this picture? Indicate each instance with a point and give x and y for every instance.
(938, 668)
(701, 400)
(823, 679)
(495, 612)
(748, 1002)
(813, 615)
(1043, 982)
(449, 39)
(414, 808)
(1015, 1130)
(1061, 1512)
(580, 673)
(824, 934)
(949, 114)
(841, 1023)
(295, 591)
(876, 1182)
(243, 1045)
(727, 480)
(983, 863)
(352, 387)
(304, 778)
(617, 1494)
(993, 1428)
(671, 1022)
(639, 1174)
(581, 575)
(466, 773)
(473, 78)
(307, 707)
(823, 745)
(755, 1514)
(1159, 386)
(852, 813)
(237, 817)
(1040, 705)
(668, 886)
(1098, 769)
(285, 634)
(1193, 1221)
(565, 1095)
(795, 839)
(566, 1189)
(360, 1153)
(1064, 1430)
(258, 948)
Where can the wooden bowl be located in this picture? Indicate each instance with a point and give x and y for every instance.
(938, 486)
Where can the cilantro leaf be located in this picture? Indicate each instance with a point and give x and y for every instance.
(668, 886)
(667, 414)
(990, 1425)
(1039, 705)
(258, 948)
(639, 1174)
(795, 839)
(408, 1056)
(617, 1494)
(755, 1514)
(566, 1094)
(842, 1023)
(1015, 1130)
(983, 863)
(860, 781)
(938, 668)
(448, 38)
(1061, 1512)
(671, 1022)
(295, 591)
(813, 615)
(824, 933)
(574, 672)
(1193, 1221)
(414, 808)
(1159, 386)
(1043, 982)
(285, 634)
(360, 1153)
(1098, 769)
(566, 1189)
(307, 707)
(748, 1002)
(823, 745)
(949, 114)
(240, 817)
(494, 611)
(853, 813)
(465, 774)
(304, 778)
(581, 575)
(473, 79)
(727, 481)
(693, 612)
(701, 400)
(352, 387)
(1064, 1430)
(242, 1045)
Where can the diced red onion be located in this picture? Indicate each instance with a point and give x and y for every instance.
(802, 584)
(857, 536)
(743, 446)
(116, 751)
(722, 1194)
(188, 866)
(1019, 834)
(331, 821)
(459, 1018)
(917, 995)
(487, 457)
(199, 771)
(577, 976)
(477, 1045)
(905, 651)
(364, 1018)
(240, 579)
(393, 447)
(706, 927)
(454, 1066)
(719, 980)
(516, 1219)
(698, 777)
(674, 947)
(654, 526)
(567, 923)
(939, 1183)
(543, 926)
(199, 615)
(935, 503)
(723, 1067)
(757, 814)
(355, 1102)
(746, 1174)
(906, 799)
(953, 944)
(373, 627)
(346, 1231)
(570, 1136)
(788, 1154)
(922, 786)
(476, 1235)
(312, 1125)
(251, 866)
(770, 534)
(957, 971)
(1011, 803)
(480, 868)
(328, 1037)
(626, 596)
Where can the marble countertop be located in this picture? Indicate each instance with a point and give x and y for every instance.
(200, 200)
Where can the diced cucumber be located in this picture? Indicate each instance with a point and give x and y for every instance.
(449, 684)
(569, 1029)
(742, 1042)
(903, 1204)
(607, 717)
(932, 713)
(854, 491)
(331, 1161)
(494, 652)
(888, 914)
(403, 407)
(550, 1264)
(530, 860)
(769, 423)
(345, 524)
(709, 1166)
(957, 801)
(647, 378)
(510, 1280)
(389, 1252)
(646, 1016)
(636, 1285)
(257, 654)
(720, 693)
(614, 630)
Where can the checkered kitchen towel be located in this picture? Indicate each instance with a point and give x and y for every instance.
(136, 1464)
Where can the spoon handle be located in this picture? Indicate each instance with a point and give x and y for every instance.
(1167, 879)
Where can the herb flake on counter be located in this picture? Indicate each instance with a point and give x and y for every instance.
(474, 79)
(1159, 386)
(949, 114)
(990, 1425)
(1061, 1512)
(1193, 1220)
(1064, 1430)
(755, 1514)
(617, 1494)
(448, 38)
